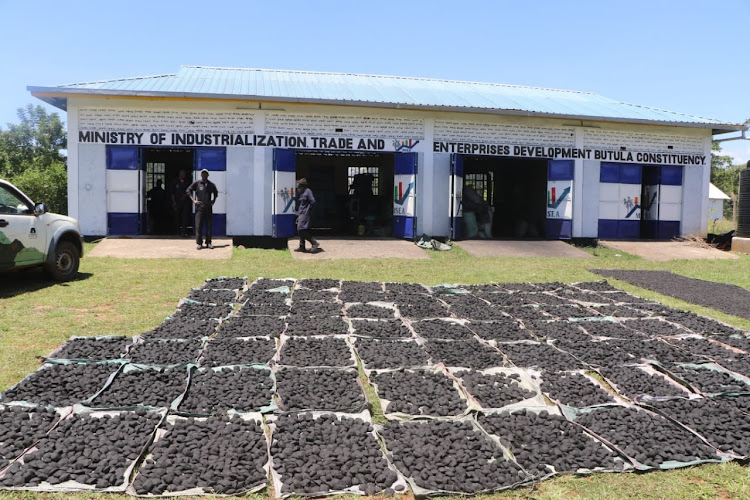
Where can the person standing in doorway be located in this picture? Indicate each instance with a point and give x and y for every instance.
(180, 203)
(305, 202)
(157, 207)
(203, 193)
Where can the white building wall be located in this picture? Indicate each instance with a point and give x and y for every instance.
(73, 162)
(579, 207)
(90, 194)
(590, 188)
(715, 210)
(240, 191)
(249, 176)
(426, 214)
(694, 210)
(441, 224)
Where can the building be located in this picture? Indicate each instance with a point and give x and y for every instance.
(716, 199)
(384, 155)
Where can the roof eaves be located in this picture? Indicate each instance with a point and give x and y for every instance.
(55, 92)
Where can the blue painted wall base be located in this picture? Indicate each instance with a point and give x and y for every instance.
(123, 224)
(403, 227)
(284, 224)
(559, 229)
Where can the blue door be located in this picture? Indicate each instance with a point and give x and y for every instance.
(284, 196)
(559, 200)
(215, 160)
(125, 185)
(404, 195)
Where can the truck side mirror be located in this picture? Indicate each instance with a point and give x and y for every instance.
(40, 208)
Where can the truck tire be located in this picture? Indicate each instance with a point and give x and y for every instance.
(64, 267)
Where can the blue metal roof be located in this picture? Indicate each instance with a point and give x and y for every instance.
(379, 91)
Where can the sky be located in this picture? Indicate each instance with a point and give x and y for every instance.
(690, 56)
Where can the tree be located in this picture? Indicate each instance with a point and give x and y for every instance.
(31, 156)
(725, 176)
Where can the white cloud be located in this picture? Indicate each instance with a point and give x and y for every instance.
(739, 150)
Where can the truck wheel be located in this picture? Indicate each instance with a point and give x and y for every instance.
(65, 265)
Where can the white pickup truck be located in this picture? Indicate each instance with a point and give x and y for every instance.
(32, 237)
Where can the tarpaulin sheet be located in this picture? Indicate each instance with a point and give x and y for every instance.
(285, 338)
(278, 480)
(55, 355)
(116, 365)
(436, 370)
(503, 454)
(163, 430)
(354, 412)
(623, 461)
(524, 380)
(95, 403)
(73, 485)
(267, 408)
(574, 414)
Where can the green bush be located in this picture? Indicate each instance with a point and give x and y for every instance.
(45, 184)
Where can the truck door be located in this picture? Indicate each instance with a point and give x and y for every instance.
(22, 234)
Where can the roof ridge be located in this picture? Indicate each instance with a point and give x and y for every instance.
(394, 77)
(124, 79)
(680, 113)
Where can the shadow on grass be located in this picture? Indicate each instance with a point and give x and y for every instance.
(20, 282)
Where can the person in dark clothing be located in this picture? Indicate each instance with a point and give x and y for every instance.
(181, 203)
(203, 193)
(304, 204)
(473, 202)
(157, 207)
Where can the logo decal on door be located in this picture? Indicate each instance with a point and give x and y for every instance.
(399, 195)
(287, 194)
(553, 201)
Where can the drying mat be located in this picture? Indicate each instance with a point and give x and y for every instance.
(723, 297)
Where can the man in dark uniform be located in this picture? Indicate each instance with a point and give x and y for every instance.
(204, 194)
(180, 203)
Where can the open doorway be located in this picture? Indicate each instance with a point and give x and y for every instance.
(353, 191)
(167, 207)
(514, 189)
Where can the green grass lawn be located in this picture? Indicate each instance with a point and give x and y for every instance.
(129, 297)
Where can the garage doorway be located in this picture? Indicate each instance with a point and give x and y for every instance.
(162, 168)
(515, 191)
(353, 191)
